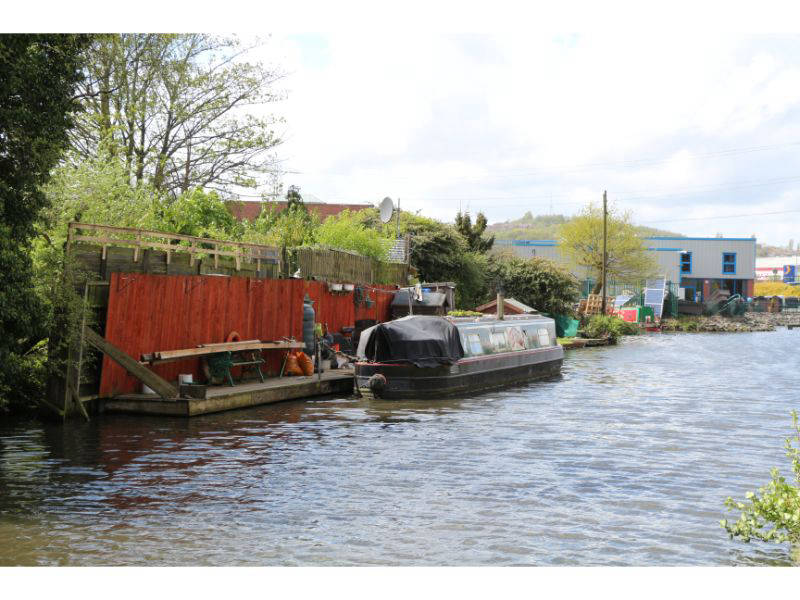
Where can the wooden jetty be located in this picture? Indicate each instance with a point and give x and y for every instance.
(220, 398)
(191, 400)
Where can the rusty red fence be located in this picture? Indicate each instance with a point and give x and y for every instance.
(148, 313)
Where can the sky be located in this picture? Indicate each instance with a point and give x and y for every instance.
(690, 125)
(693, 133)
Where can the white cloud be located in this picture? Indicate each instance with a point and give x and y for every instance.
(511, 123)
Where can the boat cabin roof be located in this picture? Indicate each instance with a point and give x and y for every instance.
(509, 320)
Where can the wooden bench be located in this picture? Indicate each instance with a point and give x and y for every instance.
(220, 364)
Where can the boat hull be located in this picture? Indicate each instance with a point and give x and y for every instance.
(468, 375)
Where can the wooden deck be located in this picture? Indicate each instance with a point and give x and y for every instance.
(219, 398)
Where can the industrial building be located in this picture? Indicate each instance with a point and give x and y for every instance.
(778, 268)
(699, 266)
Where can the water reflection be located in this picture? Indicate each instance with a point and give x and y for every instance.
(625, 459)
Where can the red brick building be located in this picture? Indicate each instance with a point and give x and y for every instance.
(250, 210)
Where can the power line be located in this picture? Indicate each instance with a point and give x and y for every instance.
(619, 196)
(706, 189)
(763, 214)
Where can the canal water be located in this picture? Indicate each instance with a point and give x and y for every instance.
(624, 460)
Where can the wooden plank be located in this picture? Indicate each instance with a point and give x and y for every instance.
(170, 355)
(160, 386)
(211, 345)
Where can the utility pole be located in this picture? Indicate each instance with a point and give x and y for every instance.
(605, 253)
(397, 226)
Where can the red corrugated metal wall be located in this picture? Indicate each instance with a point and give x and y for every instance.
(148, 313)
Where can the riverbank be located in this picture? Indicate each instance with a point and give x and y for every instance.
(749, 322)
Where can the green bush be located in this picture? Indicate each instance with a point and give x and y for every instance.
(346, 231)
(537, 282)
(773, 513)
(609, 326)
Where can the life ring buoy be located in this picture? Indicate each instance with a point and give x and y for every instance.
(234, 336)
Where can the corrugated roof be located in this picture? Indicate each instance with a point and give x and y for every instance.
(520, 306)
(516, 304)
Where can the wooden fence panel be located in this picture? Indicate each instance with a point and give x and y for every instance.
(147, 313)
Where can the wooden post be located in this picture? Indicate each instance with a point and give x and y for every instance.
(605, 253)
(501, 304)
(162, 387)
(72, 379)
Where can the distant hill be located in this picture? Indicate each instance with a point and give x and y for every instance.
(545, 227)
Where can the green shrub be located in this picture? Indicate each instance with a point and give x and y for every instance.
(346, 231)
(464, 313)
(600, 326)
(773, 513)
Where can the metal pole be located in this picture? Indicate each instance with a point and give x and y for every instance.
(605, 253)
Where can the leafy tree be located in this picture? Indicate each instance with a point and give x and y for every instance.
(294, 201)
(287, 228)
(346, 231)
(581, 239)
(169, 107)
(537, 282)
(438, 254)
(773, 513)
(38, 77)
(473, 234)
(97, 191)
(200, 213)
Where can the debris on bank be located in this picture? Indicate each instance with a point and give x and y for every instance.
(746, 323)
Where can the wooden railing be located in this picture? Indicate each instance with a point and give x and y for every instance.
(328, 264)
(333, 264)
(196, 247)
(336, 265)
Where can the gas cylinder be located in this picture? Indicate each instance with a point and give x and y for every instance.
(308, 325)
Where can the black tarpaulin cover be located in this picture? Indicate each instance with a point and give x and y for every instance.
(422, 341)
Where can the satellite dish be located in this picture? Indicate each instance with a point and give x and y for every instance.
(387, 208)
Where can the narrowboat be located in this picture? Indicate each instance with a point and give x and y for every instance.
(421, 357)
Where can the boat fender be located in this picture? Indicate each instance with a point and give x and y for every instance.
(377, 383)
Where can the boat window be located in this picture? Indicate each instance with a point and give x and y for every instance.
(544, 337)
(499, 341)
(473, 344)
(516, 340)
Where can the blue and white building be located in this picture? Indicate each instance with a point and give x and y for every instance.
(698, 265)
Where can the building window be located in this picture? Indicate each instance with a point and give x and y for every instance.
(686, 262)
(729, 263)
